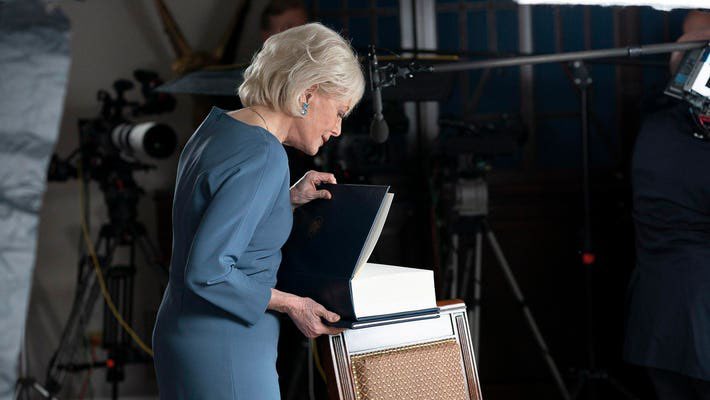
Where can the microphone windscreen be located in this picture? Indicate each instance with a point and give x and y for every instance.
(379, 131)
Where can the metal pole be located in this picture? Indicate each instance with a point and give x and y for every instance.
(583, 80)
(571, 56)
(527, 77)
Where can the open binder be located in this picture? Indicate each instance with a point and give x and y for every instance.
(325, 258)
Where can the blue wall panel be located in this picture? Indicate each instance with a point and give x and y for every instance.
(556, 100)
(477, 31)
(448, 31)
(388, 32)
(359, 30)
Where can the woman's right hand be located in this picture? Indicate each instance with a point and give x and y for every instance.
(307, 314)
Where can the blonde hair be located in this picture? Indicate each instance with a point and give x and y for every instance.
(296, 59)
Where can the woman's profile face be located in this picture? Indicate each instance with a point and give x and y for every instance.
(323, 121)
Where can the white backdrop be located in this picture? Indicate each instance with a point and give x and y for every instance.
(658, 4)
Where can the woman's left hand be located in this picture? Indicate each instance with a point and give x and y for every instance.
(305, 190)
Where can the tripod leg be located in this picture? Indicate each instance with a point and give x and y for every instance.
(464, 294)
(149, 250)
(621, 388)
(25, 382)
(474, 312)
(477, 276)
(466, 273)
(454, 267)
(72, 333)
(23, 387)
(528, 315)
(84, 300)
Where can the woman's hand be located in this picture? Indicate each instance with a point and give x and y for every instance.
(305, 190)
(305, 313)
(307, 316)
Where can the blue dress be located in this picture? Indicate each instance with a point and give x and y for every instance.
(213, 338)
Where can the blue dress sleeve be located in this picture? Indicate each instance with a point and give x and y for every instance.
(240, 196)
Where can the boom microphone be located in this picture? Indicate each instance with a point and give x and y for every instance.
(379, 131)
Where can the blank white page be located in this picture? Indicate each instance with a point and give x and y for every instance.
(375, 231)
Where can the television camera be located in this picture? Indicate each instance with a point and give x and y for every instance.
(108, 148)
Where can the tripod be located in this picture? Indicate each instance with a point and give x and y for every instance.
(472, 208)
(120, 285)
(119, 233)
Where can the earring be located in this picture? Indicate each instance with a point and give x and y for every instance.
(304, 109)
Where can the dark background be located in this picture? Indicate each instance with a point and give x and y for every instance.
(535, 190)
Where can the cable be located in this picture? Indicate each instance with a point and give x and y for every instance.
(100, 275)
(316, 357)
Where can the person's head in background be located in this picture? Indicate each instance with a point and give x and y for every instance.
(696, 21)
(280, 15)
(696, 26)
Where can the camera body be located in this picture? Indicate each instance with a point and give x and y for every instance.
(109, 144)
(692, 81)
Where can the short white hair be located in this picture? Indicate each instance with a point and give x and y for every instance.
(296, 59)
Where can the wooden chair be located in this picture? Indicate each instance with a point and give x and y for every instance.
(417, 360)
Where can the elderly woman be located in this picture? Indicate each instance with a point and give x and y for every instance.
(216, 333)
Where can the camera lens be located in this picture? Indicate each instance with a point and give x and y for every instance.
(151, 138)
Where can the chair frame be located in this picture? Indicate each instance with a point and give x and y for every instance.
(336, 350)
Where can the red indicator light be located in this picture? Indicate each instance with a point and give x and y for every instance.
(588, 258)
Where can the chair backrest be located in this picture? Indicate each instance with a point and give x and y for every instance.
(418, 360)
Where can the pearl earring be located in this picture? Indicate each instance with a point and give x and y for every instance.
(304, 109)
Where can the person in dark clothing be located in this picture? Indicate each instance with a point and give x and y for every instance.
(668, 322)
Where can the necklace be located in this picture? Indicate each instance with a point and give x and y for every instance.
(262, 118)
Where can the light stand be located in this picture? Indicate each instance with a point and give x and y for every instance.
(583, 81)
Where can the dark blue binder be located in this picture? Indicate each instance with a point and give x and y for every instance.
(327, 238)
